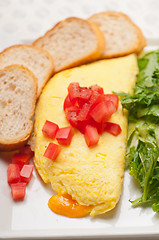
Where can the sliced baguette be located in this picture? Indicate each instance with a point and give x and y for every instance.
(72, 42)
(18, 94)
(38, 60)
(121, 34)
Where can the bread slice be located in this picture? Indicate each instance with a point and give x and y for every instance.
(38, 60)
(18, 94)
(72, 42)
(121, 34)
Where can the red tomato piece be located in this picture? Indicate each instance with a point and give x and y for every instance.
(18, 191)
(26, 173)
(21, 159)
(84, 93)
(97, 88)
(99, 112)
(95, 99)
(52, 151)
(72, 118)
(112, 128)
(73, 90)
(64, 135)
(27, 150)
(67, 103)
(111, 108)
(84, 112)
(13, 173)
(50, 129)
(91, 135)
(113, 98)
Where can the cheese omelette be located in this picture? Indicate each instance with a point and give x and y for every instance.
(92, 176)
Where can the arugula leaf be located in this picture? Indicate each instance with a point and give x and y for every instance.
(142, 156)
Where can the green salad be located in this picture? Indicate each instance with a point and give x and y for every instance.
(142, 156)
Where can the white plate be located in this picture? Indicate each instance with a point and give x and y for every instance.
(32, 218)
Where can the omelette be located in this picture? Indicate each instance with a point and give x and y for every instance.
(91, 176)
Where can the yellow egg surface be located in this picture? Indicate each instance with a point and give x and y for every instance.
(92, 176)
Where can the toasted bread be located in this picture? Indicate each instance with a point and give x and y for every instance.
(72, 42)
(18, 87)
(121, 34)
(38, 60)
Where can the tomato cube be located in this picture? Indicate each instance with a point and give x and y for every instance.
(72, 118)
(18, 191)
(52, 151)
(50, 129)
(99, 112)
(91, 135)
(112, 128)
(84, 112)
(26, 173)
(67, 102)
(84, 93)
(21, 159)
(13, 173)
(113, 98)
(97, 88)
(73, 90)
(111, 108)
(64, 135)
(27, 150)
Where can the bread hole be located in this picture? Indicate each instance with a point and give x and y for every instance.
(2, 74)
(42, 65)
(19, 91)
(12, 86)
(3, 104)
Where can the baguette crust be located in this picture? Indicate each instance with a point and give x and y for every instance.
(139, 40)
(14, 141)
(94, 54)
(34, 51)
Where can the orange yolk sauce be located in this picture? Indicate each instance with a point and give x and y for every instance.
(63, 204)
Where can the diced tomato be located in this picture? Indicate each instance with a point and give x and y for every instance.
(112, 128)
(18, 191)
(90, 107)
(67, 103)
(84, 93)
(73, 109)
(50, 129)
(99, 126)
(21, 159)
(27, 150)
(99, 112)
(13, 173)
(72, 118)
(75, 91)
(91, 135)
(64, 135)
(26, 173)
(84, 112)
(52, 151)
(113, 98)
(97, 88)
(110, 109)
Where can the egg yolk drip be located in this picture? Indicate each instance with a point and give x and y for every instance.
(63, 204)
